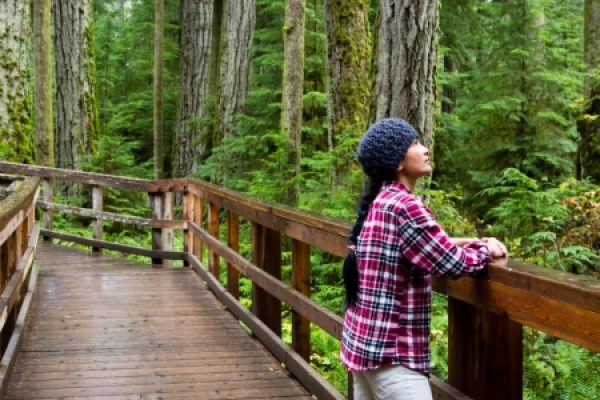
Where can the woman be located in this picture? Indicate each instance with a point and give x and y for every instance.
(396, 248)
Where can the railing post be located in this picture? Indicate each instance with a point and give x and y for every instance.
(188, 215)
(233, 241)
(167, 233)
(199, 220)
(98, 206)
(213, 229)
(301, 282)
(266, 254)
(48, 198)
(157, 212)
(485, 353)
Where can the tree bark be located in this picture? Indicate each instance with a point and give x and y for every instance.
(406, 61)
(195, 55)
(293, 81)
(239, 18)
(44, 124)
(589, 123)
(76, 109)
(350, 58)
(159, 13)
(16, 143)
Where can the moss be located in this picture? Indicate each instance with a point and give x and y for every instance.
(352, 35)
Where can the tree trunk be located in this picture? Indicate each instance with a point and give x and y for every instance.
(44, 125)
(293, 80)
(16, 143)
(76, 110)
(159, 13)
(239, 18)
(195, 55)
(349, 56)
(589, 123)
(406, 61)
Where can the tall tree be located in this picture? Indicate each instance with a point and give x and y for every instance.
(16, 143)
(349, 56)
(196, 42)
(406, 63)
(293, 80)
(157, 128)
(44, 125)
(237, 31)
(76, 110)
(589, 124)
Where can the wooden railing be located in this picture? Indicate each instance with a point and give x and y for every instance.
(18, 239)
(486, 314)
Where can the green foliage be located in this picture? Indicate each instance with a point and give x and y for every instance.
(555, 369)
(124, 61)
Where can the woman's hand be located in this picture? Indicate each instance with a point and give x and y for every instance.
(496, 248)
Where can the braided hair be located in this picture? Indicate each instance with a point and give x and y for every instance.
(379, 153)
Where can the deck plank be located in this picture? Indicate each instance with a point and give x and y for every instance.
(110, 328)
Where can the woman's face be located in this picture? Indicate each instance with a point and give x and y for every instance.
(416, 162)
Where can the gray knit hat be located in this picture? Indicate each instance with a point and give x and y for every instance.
(384, 146)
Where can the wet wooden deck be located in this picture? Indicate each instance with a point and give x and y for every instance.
(106, 328)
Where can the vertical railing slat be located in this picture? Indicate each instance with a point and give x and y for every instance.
(213, 229)
(266, 254)
(301, 282)
(98, 206)
(485, 353)
(188, 215)
(199, 220)
(156, 204)
(167, 233)
(48, 198)
(233, 241)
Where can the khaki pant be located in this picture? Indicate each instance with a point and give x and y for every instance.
(391, 383)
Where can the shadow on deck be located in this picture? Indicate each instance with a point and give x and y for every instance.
(111, 328)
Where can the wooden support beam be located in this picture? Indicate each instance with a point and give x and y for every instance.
(154, 254)
(301, 282)
(266, 254)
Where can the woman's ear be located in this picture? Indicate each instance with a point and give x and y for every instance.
(400, 167)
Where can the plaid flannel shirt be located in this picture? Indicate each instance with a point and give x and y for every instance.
(399, 248)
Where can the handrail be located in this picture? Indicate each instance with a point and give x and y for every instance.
(18, 240)
(485, 313)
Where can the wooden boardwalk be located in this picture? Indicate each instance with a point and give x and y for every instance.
(107, 328)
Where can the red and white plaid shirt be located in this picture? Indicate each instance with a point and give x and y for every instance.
(399, 248)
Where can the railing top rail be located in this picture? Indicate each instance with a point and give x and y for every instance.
(21, 196)
(90, 178)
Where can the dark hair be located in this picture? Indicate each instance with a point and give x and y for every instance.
(350, 265)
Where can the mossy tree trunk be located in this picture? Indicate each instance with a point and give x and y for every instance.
(349, 79)
(44, 124)
(157, 114)
(293, 81)
(589, 123)
(406, 61)
(16, 142)
(195, 46)
(76, 109)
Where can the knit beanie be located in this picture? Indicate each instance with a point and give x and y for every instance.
(384, 146)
